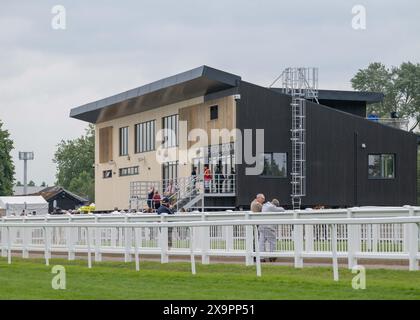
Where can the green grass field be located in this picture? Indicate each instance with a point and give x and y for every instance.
(31, 279)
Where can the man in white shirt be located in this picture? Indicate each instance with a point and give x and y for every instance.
(268, 232)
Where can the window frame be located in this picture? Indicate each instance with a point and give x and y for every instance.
(145, 136)
(214, 107)
(381, 155)
(123, 141)
(104, 175)
(266, 176)
(128, 171)
(170, 122)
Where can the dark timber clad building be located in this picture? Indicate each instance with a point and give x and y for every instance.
(350, 161)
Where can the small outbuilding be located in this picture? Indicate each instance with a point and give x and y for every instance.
(58, 197)
(16, 205)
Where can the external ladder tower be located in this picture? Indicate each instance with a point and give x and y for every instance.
(301, 84)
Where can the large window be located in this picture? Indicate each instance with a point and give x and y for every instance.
(124, 141)
(130, 171)
(169, 172)
(275, 165)
(170, 127)
(145, 136)
(381, 166)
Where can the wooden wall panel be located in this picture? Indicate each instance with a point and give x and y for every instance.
(105, 144)
(198, 116)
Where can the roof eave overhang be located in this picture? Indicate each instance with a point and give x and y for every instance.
(187, 85)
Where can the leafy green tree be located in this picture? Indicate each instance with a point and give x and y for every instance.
(31, 184)
(75, 161)
(400, 85)
(43, 184)
(19, 184)
(83, 185)
(7, 167)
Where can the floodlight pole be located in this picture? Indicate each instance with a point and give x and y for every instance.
(25, 156)
(25, 177)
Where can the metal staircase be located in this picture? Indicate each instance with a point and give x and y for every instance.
(302, 85)
(189, 194)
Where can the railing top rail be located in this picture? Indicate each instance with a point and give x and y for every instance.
(301, 214)
(162, 223)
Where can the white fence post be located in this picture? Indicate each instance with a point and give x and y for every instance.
(163, 242)
(309, 237)
(205, 241)
(46, 246)
(89, 253)
(352, 241)
(114, 237)
(298, 237)
(98, 255)
(25, 241)
(9, 246)
(375, 237)
(229, 237)
(136, 248)
(193, 271)
(257, 251)
(3, 240)
(127, 242)
(70, 241)
(413, 244)
(333, 229)
(249, 243)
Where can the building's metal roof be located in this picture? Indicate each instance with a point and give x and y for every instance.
(201, 81)
(346, 95)
(186, 85)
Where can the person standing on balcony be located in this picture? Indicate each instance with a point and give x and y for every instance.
(267, 233)
(170, 189)
(156, 200)
(194, 177)
(219, 178)
(207, 178)
(231, 180)
(150, 195)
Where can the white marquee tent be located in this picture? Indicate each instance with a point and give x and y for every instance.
(15, 205)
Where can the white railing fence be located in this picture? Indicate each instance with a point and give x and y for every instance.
(356, 233)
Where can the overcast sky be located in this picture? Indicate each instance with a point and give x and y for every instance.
(113, 46)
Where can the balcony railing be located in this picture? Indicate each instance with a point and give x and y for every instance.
(398, 123)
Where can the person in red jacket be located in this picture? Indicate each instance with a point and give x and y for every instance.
(207, 178)
(156, 200)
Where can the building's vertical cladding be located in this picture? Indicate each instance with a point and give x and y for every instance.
(338, 145)
(261, 108)
(338, 149)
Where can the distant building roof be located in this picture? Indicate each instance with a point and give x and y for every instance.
(21, 200)
(50, 193)
(18, 190)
